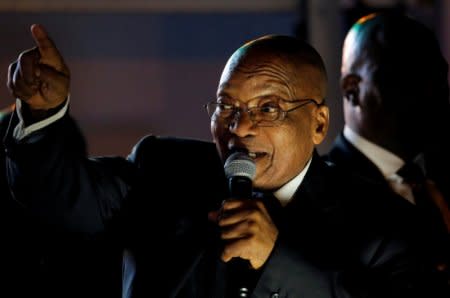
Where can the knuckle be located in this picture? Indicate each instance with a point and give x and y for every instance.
(12, 67)
(251, 225)
(9, 83)
(24, 56)
(226, 253)
(28, 56)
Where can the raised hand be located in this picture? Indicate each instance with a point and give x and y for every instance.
(40, 77)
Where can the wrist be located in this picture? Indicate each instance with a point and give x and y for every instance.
(31, 116)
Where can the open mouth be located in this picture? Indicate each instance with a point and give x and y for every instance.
(256, 155)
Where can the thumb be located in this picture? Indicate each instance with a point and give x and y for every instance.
(47, 49)
(213, 216)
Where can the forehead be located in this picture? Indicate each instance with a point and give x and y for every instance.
(259, 74)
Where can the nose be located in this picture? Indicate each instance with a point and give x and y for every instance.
(242, 125)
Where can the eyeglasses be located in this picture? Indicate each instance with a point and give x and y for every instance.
(265, 114)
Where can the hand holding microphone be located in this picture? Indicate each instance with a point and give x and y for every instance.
(246, 227)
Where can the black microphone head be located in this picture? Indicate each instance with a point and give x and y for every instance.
(239, 164)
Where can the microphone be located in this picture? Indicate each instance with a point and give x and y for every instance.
(240, 170)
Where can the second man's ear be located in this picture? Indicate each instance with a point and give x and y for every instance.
(350, 88)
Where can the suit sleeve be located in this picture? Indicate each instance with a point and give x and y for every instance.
(289, 273)
(385, 265)
(50, 175)
(359, 242)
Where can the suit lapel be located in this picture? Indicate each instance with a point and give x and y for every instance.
(312, 192)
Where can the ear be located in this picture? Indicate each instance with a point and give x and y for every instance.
(322, 121)
(350, 88)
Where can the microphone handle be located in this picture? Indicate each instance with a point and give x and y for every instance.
(240, 275)
(240, 187)
(240, 278)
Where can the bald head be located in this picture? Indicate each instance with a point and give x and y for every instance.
(393, 74)
(396, 53)
(295, 55)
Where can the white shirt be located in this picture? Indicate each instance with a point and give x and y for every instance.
(20, 131)
(387, 162)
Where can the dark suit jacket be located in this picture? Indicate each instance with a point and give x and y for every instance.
(40, 259)
(345, 154)
(339, 236)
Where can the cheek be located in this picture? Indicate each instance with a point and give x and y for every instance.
(218, 131)
(219, 137)
(291, 150)
(214, 130)
(288, 156)
(294, 149)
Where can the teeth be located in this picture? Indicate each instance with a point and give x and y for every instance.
(252, 154)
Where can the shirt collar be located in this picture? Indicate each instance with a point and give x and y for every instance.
(286, 192)
(386, 161)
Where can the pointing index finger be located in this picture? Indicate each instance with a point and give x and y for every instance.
(49, 53)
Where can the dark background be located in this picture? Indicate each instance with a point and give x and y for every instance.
(147, 67)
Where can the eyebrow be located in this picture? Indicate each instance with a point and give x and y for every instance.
(224, 94)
